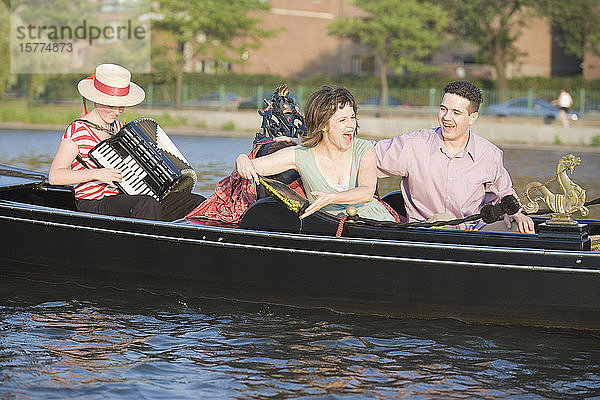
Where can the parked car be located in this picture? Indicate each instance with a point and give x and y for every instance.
(519, 107)
(391, 102)
(213, 100)
(592, 106)
(251, 103)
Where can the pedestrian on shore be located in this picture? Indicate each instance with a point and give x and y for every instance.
(449, 172)
(564, 103)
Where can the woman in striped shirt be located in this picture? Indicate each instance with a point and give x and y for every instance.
(111, 90)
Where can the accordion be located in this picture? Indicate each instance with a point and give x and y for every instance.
(148, 160)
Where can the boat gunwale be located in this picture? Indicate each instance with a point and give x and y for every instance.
(238, 232)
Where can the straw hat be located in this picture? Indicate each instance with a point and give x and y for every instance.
(111, 85)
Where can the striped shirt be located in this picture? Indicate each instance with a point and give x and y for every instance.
(85, 138)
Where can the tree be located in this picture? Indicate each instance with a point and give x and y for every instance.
(221, 30)
(4, 46)
(494, 26)
(577, 24)
(39, 67)
(400, 34)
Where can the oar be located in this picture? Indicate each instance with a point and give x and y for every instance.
(20, 173)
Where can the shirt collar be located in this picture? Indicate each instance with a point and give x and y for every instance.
(468, 150)
(470, 147)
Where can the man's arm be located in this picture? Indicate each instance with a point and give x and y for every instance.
(392, 156)
(502, 186)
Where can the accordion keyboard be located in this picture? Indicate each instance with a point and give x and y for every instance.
(133, 174)
(145, 168)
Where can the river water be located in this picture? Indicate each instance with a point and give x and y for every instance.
(66, 341)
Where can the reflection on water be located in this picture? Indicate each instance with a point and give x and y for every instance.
(132, 345)
(65, 341)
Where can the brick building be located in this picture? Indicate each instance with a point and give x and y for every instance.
(302, 47)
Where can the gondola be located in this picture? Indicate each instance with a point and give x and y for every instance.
(548, 279)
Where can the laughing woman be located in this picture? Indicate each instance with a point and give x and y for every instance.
(337, 168)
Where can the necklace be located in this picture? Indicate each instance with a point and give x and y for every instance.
(96, 126)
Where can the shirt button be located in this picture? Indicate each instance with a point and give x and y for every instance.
(450, 179)
(448, 197)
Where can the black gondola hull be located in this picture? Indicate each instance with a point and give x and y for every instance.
(525, 286)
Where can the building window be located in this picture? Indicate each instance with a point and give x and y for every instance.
(362, 65)
(355, 66)
(212, 67)
(110, 6)
(368, 64)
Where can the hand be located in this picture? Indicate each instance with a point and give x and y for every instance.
(524, 223)
(108, 175)
(321, 200)
(294, 140)
(244, 167)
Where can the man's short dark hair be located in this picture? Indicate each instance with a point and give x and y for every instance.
(468, 91)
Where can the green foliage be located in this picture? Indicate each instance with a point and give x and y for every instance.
(576, 21)
(348, 80)
(167, 119)
(402, 34)
(163, 66)
(52, 13)
(211, 27)
(65, 86)
(557, 140)
(596, 141)
(23, 111)
(215, 30)
(228, 126)
(555, 83)
(232, 79)
(4, 47)
(494, 26)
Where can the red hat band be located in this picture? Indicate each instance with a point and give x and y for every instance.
(110, 90)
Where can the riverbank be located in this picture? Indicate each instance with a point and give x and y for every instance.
(502, 131)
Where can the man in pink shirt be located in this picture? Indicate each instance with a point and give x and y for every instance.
(449, 170)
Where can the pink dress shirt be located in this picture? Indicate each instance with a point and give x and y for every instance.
(434, 182)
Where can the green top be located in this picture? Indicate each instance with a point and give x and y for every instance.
(313, 180)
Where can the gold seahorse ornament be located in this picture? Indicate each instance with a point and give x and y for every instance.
(562, 204)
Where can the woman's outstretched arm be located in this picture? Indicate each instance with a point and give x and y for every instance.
(362, 193)
(271, 164)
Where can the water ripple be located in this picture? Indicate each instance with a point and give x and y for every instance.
(72, 342)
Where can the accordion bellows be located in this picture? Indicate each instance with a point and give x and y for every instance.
(149, 161)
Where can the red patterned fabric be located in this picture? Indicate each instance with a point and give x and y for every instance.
(233, 196)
